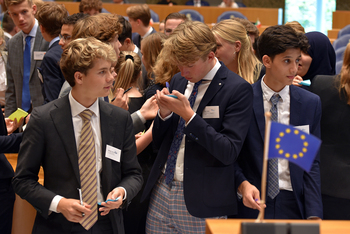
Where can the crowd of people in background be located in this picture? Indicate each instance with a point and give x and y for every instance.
(161, 130)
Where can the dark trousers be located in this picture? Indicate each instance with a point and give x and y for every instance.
(335, 208)
(7, 200)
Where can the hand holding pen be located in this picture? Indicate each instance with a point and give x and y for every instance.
(72, 209)
(121, 98)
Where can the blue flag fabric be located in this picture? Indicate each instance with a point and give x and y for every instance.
(293, 144)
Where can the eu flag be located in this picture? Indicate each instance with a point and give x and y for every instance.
(292, 144)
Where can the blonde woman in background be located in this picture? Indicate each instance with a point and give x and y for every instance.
(3, 62)
(234, 49)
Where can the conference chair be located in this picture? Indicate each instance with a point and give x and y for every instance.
(230, 15)
(192, 15)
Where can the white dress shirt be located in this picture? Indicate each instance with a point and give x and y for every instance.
(283, 110)
(179, 168)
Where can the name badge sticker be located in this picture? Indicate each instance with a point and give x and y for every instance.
(211, 112)
(39, 55)
(304, 128)
(113, 153)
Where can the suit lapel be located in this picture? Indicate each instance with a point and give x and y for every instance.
(62, 119)
(258, 108)
(107, 123)
(215, 85)
(18, 52)
(37, 46)
(295, 106)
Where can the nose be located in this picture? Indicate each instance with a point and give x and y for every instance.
(61, 43)
(294, 68)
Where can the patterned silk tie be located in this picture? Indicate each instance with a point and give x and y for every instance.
(175, 145)
(26, 75)
(87, 168)
(273, 188)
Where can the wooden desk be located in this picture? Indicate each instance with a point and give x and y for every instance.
(340, 19)
(233, 226)
(267, 16)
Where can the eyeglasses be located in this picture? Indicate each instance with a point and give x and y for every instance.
(65, 37)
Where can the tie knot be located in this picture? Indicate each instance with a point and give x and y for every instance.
(275, 98)
(28, 38)
(86, 115)
(197, 84)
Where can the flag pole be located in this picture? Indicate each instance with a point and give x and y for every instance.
(264, 171)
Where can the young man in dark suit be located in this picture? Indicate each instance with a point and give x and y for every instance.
(50, 17)
(194, 168)
(139, 18)
(81, 142)
(25, 52)
(292, 192)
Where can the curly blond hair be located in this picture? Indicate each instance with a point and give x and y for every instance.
(81, 54)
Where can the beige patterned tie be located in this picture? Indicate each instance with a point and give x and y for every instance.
(87, 168)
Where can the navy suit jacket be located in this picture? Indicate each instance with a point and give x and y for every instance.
(191, 3)
(305, 109)
(136, 38)
(49, 141)
(212, 144)
(8, 144)
(53, 78)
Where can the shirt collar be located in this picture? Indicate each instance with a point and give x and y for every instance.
(53, 41)
(136, 49)
(268, 93)
(77, 108)
(210, 75)
(148, 32)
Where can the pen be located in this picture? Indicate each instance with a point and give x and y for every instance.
(167, 85)
(81, 200)
(123, 93)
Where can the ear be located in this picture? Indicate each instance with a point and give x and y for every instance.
(127, 41)
(78, 77)
(266, 60)
(138, 21)
(211, 56)
(34, 9)
(238, 46)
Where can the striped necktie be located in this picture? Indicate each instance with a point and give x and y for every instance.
(273, 188)
(87, 168)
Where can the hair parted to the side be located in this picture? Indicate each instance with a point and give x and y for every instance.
(50, 17)
(86, 5)
(128, 70)
(81, 54)
(296, 26)
(151, 47)
(104, 27)
(16, 2)
(189, 42)
(345, 73)
(140, 12)
(277, 39)
(232, 31)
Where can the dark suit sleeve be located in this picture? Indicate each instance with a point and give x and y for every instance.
(52, 77)
(131, 170)
(30, 156)
(224, 142)
(312, 180)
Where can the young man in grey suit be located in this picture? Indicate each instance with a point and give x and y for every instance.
(26, 51)
(81, 142)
